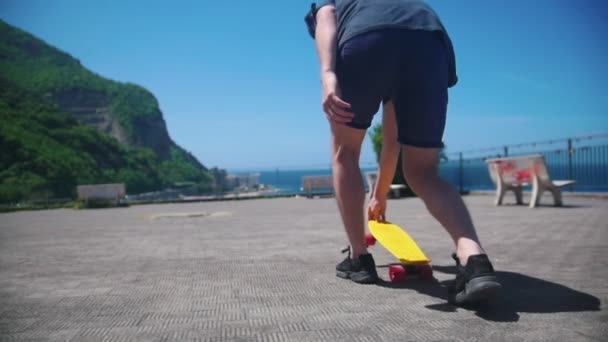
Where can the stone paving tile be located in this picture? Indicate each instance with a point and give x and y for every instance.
(264, 271)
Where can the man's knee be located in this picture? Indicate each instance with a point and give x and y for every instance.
(420, 172)
(346, 154)
(346, 143)
(418, 176)
(420, 159)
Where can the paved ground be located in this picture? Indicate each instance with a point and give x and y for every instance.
(263, 270)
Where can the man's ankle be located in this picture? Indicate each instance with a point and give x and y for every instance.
(464, 257)
(356, 253)
(466, 249)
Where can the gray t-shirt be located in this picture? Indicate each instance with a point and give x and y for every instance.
(355, 17)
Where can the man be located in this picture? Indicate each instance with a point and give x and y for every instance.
(397, 52)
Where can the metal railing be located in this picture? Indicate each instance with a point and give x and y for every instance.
(584, 159)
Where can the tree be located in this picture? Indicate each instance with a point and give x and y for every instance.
(375, 135)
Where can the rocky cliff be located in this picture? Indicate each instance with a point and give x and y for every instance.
(127, 112)
(95, 108)
(40, 87)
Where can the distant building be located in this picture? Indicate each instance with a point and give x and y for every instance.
(243, 181)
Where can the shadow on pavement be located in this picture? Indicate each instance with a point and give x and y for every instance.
(521, 294)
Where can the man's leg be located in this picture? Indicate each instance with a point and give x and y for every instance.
(475, 279)
(364, 72)
(359, 265)
(421, 99)
(441, 199)
(348, 184)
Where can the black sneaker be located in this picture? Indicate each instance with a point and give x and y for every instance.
(475, 282)
(361, 270)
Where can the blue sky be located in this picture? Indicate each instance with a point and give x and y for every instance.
(238, 82)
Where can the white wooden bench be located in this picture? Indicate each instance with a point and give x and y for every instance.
(313, 184)
(395, 189)
(513, 173)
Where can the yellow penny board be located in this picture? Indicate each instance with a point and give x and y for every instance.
(399, 243)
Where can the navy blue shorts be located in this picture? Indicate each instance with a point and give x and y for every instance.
(409, 67)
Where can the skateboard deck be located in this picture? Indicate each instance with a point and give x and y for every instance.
(401, 245)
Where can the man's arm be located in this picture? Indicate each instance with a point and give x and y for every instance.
(390, 152)
(325, 37)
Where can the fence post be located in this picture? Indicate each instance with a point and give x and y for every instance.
(506, 151)
(461, 173)
(570, 153)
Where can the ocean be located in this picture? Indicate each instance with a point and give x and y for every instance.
(590, 177)
(586, 164)
(290, 181)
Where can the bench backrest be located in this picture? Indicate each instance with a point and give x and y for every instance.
(311, 183)
(520, 170)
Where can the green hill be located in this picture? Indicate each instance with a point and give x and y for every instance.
(63, 125)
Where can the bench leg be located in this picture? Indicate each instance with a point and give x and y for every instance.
(500, 193)
(557, 196)
(519, 195)
(396, 193)
(537, 192)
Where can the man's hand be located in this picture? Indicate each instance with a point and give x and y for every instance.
(376, 209)
(337, 111)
